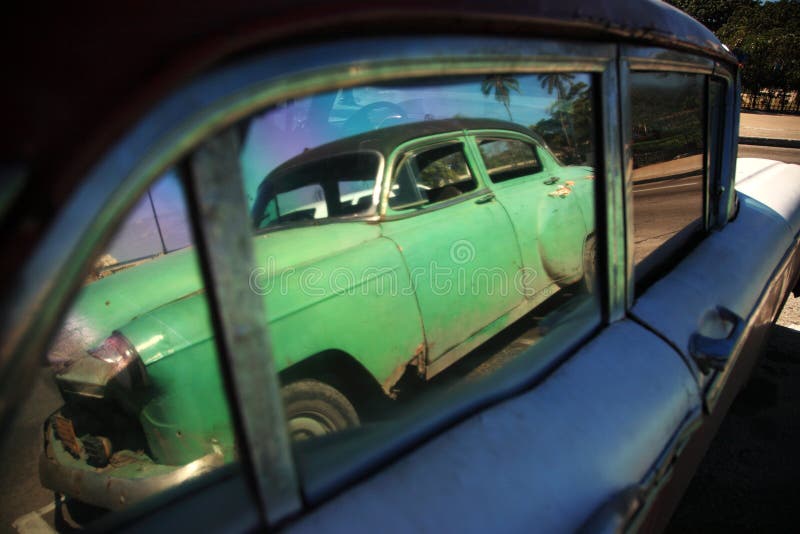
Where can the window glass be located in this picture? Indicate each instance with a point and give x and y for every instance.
(339, 185)
(157, 225)
(506, 159)
(668, 121)
(432, 175)
(380, 323)
(131, 402)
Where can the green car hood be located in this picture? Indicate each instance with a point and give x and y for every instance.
(160, 306)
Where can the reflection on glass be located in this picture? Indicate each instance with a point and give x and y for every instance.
(668, 165)
(417, 237)
(158, 224)
(133, 401)
(508, 158)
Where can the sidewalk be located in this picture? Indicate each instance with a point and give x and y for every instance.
(769, 130)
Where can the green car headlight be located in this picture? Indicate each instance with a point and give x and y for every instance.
(117, 351)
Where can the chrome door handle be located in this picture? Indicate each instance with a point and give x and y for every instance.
(485, 199)
(713, 353)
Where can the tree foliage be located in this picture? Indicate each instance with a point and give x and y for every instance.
(568, 129)
(501, 85)
(766, 36)
(713, 14)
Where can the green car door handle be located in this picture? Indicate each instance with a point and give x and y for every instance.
(484, 199)
(551, 180)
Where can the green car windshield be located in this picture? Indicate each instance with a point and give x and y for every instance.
(337, 186)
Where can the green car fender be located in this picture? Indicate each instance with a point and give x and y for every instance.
(565, 219)
(358, 301)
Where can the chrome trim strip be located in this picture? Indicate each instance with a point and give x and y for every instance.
(614, 201)
(728, 140)
(662, 59)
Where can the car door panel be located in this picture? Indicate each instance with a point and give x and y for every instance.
(547, 212)
(463, 260)
(731, 268)
(521, 451)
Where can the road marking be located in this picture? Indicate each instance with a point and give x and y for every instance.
(32, 523)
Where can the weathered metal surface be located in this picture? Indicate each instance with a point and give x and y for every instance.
(65, 432)
(570, 453)
(130, 478)
(223, 236)
(615, 210)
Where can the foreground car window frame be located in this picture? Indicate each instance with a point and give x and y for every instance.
(172, 131)
(718, 162)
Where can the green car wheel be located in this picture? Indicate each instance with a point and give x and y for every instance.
(314, 409)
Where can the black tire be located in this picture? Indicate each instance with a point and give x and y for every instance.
(590, 264)
(315, 409)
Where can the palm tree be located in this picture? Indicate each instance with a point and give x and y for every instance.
(559, 82)
(502, 85)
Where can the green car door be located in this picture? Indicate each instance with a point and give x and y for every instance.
(457, 241)
(544, 201)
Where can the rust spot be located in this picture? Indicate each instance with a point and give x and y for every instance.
(65, 432)
(108, 303)
(418, 361)
(394, 377)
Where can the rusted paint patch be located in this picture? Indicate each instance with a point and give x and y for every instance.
(417, 361)
(562, 191)
(65, 432)
(420, 360)
(388, 384)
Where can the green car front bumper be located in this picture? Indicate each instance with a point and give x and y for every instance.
(129, 477)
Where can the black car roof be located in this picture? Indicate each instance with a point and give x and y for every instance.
(387, 139)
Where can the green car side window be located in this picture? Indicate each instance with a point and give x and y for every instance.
(431, 175)
(336, 186)
(506, 159)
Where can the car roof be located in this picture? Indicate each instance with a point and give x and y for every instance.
(94, 66)
(385, 140)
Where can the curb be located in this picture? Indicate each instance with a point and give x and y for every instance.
(761, 141)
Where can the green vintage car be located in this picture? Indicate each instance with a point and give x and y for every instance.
(397, 250)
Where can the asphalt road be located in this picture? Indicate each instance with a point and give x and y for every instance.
(749, 480)
(787, 155)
